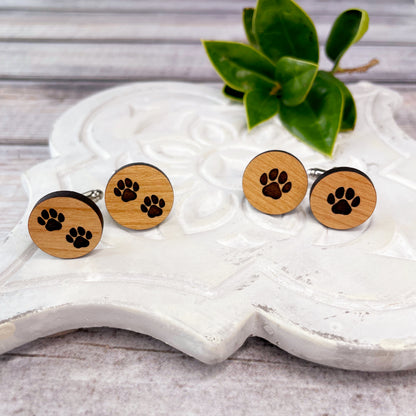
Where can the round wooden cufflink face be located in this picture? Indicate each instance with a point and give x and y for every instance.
(66, 224)
(275, 182)
(139, 196)
(342, 198)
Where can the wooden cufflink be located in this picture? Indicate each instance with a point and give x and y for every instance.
(342, 198)
(275, 182)
(66, 224)
(139, 196)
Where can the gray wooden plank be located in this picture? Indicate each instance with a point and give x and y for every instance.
(136, 27)
(113, 372)
(313, 7)
(29, 109)
(130, 62)
(13, 200)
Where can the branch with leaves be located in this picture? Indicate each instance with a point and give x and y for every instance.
(278, 72)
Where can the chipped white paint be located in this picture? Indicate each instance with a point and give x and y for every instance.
(217, 271)
(7, 330)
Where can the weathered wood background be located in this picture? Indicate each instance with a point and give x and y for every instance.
(54, 53)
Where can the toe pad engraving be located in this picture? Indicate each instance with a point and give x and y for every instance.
(343, 202)
(51, 219)
(275, 188)
(275, 182)
(79, 237)
(126, 189)
(153, 206)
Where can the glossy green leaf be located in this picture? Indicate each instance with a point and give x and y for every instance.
(248, 14)
(349, 113)
(282, 29)
(260, 106)
(349, 116)
(232, 93)
(348, 28)
(241, 66)
(318, 119)
(296, 78)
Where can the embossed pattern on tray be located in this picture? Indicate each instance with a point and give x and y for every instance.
(217, 270)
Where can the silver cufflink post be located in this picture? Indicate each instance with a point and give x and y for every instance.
(95, 195)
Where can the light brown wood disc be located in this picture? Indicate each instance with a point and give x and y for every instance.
(275, 182)
(66, 224)
(343, 198)
(139, 196)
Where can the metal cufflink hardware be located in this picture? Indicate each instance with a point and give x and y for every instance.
(67, 224)
(139, 196)
(275, 182)
(341, 197)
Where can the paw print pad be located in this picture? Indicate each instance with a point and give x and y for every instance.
(51, 219)
(275, 182)
(153, 206)
(127, 189)
(342, 198)
(278, 184)
(79, 237)
(154, 197)
(343, 201)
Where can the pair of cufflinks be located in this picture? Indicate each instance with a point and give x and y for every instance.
(68, 224)
(139, 196)
(276, 182)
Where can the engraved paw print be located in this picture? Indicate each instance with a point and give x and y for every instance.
(78, 237)
(278, 185)
(345, 201)
(51, 219)
(126, 189)
(153, 207)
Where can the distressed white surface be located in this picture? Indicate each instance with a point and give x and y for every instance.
(218, 271)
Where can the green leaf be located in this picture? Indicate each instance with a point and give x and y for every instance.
(233, 94)
(248, 25)
(348, 28)
(349, 116)
(241, 67)
(318, 119)
(349, 113)
(282, 29)
(260, 106)
(296, 78)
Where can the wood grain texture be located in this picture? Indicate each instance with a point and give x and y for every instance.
(137, 27)
(275, 182)
(107, 371)
(318, 7)
(14, 160)
(114, 372)
(139, 196)
(29, 108)
(342, 198)
(65, 224)
(143, 62)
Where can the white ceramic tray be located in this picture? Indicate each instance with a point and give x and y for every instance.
(218, 271)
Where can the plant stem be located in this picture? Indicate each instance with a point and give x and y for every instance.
(363, 68)
(275, 89)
